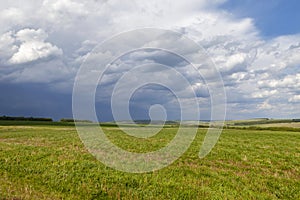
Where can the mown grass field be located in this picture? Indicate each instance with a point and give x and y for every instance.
(48, 161)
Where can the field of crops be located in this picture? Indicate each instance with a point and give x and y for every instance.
(49, 161)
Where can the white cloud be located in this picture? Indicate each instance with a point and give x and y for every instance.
(278, 54)
(232, 63)
(7, 46)
(295, 99)
(289, 81)
(28, 35)
(33, 47)
(62, 11)
(265, 106)
(263, 94)
(12, 14)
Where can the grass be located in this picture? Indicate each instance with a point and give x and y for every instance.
(48, 161)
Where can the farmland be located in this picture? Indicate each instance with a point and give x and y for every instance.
(48, 161)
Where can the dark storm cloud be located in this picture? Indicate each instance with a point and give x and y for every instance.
(29, 99)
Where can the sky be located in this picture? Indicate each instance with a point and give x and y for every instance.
(254, 45)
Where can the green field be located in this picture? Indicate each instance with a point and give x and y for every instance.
(48, 161)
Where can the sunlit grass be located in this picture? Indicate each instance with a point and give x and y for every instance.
(50, 162)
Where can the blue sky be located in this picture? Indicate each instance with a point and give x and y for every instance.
(272, 17)
(255, 46)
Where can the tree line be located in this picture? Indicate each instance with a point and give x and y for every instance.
(9, 118)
